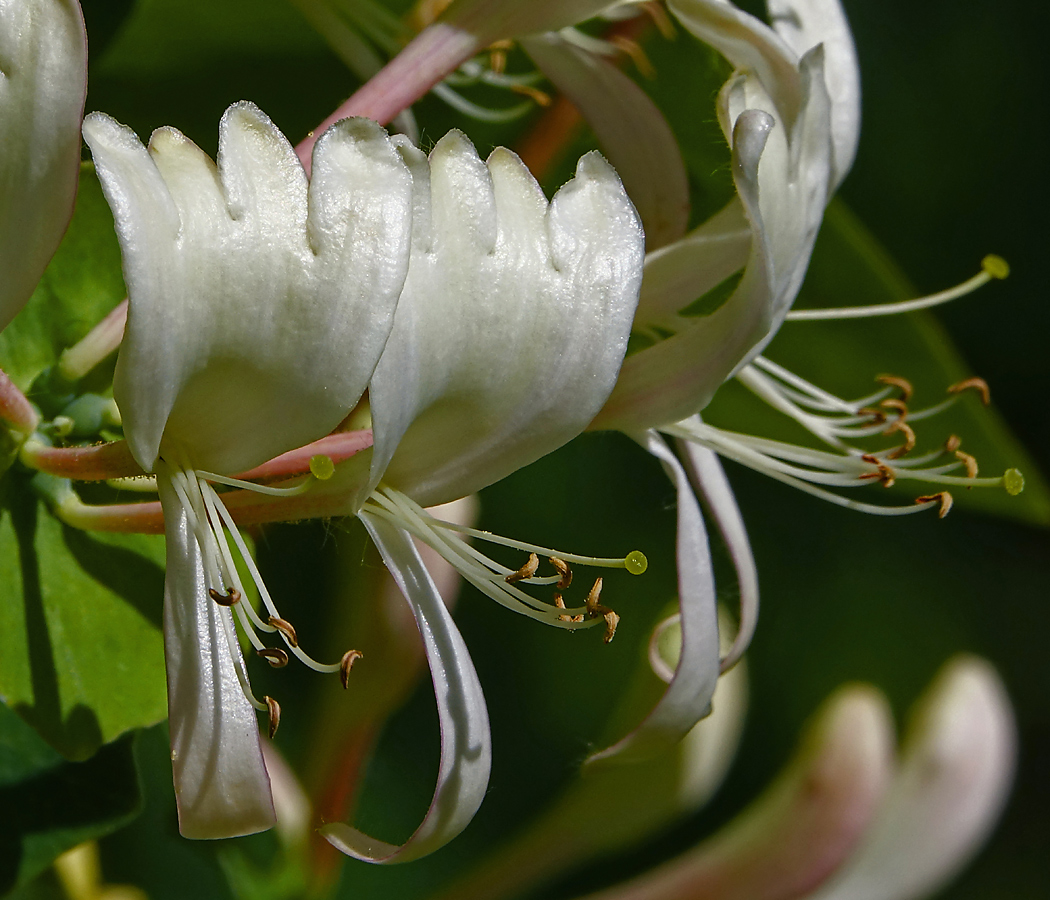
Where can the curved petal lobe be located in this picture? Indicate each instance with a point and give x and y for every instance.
(466, 750)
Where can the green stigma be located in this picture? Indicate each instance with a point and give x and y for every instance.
(636, 563)
(996, 266)
(1013, 481)
(322, 467)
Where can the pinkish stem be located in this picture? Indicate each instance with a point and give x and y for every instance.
(337, 447)
(434, 53)
(15, 408)
(98, 463)
(96, 345)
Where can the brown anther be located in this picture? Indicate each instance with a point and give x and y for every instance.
(346, 664)
(594, 608)
(287, 629)
(871, 458)
(943, 497)
(275, 656)
(504, 44)
(876, 415)
(526, 571)
(498, 61)
(976, 384)
(953, 443)
(901, 383)
(909, 438)
(274, 709)
(634, 50)
(661, 20)
(560, 603)
(886, 476)
(540, 98)
(231, 596)
(899, 406)
(611, 621)
(562, 568)
(969, 461)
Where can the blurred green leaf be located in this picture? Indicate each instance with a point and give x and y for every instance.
(51, 805)
(81, 653)
(850, 268)
(82, 284)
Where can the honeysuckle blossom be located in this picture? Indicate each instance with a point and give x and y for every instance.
(43, 80)
(259, 305)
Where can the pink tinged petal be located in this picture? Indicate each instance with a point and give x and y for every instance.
(674, 378)
(805, 23)
(632, 132)
(955, 775)
(688, 697)
(802, 827)
(709, 478)
(43, 79)
(259, 304)
(466, 751)
(221, 785)
(512, 324)
(493, 20)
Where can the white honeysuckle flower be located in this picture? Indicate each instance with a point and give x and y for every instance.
(507, 339)
(43, 80)
(259, 305)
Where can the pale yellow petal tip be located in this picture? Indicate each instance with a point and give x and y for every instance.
(1013, 481)
(322, 467)
(635, 562)
(996, 266)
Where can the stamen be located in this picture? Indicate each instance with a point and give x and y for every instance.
(898, 405)
(540, 98)
(275, 656)
(992, 268)
(560, 603)
(526, 571)
(976, 384)
(638, 56)
(905, 386)
(563, 570)
(611, 621)
(274, 710)
(593, 606)
(944, 498)
(662, 21)
(346, 664)
(258, 488)
(969, 461)
(952, 444)
(286, 629)
(909, 437)
(231, 596)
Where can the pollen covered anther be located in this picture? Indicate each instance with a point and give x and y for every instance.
(559, 602)
(611, 621)
(899, 406)
(909, 437)
(953, 443)
(275, 656)
(976, 384)
(231, 596)
(564, 570)
(274, 710)
(969, 461)
(346, 664)
(526, 571)
(943, 497)
(896, 381)
(594, 608)
(287, 630)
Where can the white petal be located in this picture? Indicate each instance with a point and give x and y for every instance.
(43, 78)
(632, 132)
(802, 827)
(493, 20)
(688, 697)
(707, 474)
(958, 764)
(805, 23)
(466, 750)
(512, 324)
(257, 315)
(221, 785)
(677, 376)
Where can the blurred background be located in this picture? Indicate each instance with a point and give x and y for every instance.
(952, 165)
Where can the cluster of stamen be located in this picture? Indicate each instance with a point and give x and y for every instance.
(499, 582)
(212, 524)
(839, 423)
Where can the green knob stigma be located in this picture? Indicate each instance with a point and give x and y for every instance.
(996, 266)
(322, 467)
(636, 563)
(1013, 481)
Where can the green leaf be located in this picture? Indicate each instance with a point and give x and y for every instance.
(51, 805)
(82, 284)
(850, 268)
(81, 652)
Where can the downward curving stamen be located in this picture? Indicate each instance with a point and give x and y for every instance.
(993, 268)
(497, 581)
